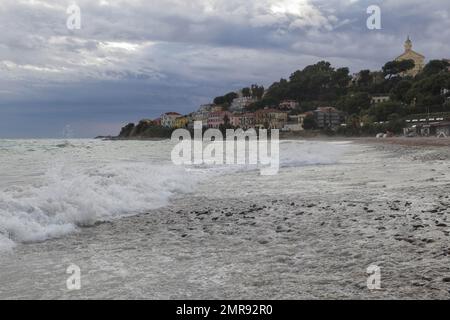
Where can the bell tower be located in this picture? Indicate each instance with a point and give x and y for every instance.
(408, 45)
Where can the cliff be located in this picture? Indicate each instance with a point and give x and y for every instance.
(145, 129)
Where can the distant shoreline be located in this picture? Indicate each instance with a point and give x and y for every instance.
(404, 141)
(408, 142)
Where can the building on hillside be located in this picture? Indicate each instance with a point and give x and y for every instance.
(295, 122)
(210, 107)
(157, 122)
(248, 120)
(240, 103)
(168, 119)
(410, 54)
(206, 107)
(201, 116)
(235, 120)
(217, 108)
(270, 119)
(379, 98)
(181, 122)
(328, 117)
(288, 105)
(218, 118)
(190, 120)
(243, 120)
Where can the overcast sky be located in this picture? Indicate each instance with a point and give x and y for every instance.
(136, 59)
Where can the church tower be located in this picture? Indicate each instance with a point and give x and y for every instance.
(410, 54)
(408, 45)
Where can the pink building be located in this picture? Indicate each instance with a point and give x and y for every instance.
(218, 118)
(243, 120)
(236, 120)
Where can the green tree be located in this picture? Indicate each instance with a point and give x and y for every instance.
(309, 123)
(354, 103)
(246, 92)
(257, 92)
(226, 99)
(382, 111)
(395, 68)
(400, 91)
(434, 67)
(219, 100)
(229, 97)
(365, 78)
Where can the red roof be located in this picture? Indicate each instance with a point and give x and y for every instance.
(173, 114)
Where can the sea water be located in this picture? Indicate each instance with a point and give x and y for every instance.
(49, 188)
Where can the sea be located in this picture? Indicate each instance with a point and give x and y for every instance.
(50, 188)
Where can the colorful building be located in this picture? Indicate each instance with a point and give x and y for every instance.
(243, 120)
(201, 115)
(270, 119)
(168, 119)
(235, 120)
(181, 122)
(218, 118)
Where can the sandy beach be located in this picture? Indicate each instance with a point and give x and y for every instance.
(308, 233)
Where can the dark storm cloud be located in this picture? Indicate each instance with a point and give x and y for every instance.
(136, 59)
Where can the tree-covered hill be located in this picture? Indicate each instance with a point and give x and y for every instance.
(322, 85)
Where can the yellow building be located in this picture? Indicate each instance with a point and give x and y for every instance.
(181, 122)
(410, 54)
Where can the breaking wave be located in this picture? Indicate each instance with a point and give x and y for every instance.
(72, 197)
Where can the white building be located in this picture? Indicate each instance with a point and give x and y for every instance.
(295, 123)
(380, 99)
(206, 107)
(201, 116)
(240, 103)
(288, 105)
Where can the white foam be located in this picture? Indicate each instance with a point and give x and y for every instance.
(304, 153)
(71, 196)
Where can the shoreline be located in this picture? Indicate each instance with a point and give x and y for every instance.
(403, 141)
(408, 142)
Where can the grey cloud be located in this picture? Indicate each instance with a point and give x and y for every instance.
(135, 59)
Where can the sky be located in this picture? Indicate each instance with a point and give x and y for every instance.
(135, 59)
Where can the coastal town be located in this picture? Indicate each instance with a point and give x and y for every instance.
(408, 97)
(287, 116)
